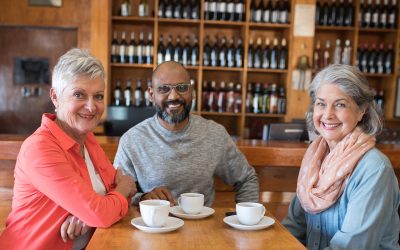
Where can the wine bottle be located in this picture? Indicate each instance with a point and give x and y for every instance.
(186, 9)
(143, 8)
(169, 8)
(380, 100)
(257, 99)
(327, 56)
(275, 13)
(389, 59)
(160, 50)
(230, 57)
(273, 100)
(375, 14)
(207, 52)
(380, 59)
(221, 6)
(384, 15)
(392, 15)
(131, 49)
(239, 11)
(223, 51)
(340, 14)
(238, 99)
(284, 11)
(178, 50)
(368, 15)
(161, 8)
(325, 14)
(253, 10)
(318, 11)
(337, 52)
(258, 54)
(349, 13)
(364, 59)
(265, 99)
(128, 94)
(230, 10)
(169, 51)
(250, 54)
(346, 54)
(372, 59)
(266, 54)
(239, 53)
(221, 99)
(195, 9)
(149, 49)
(361, 13)
(267, 12)
(317, 56)
(249, 99)
(125, 9)
(212, 7)
(138, 94)
(274, 55)
(332, 14)
(177, 13)
(213, 97)
(281, 107)
(230, 98)
(283, 54)
(114, 49)
(214, 53)
(123, 57)
(118, 94)
(204, 97)
(258, 11)
(186, 52)
(195, 52)
(141, 49)
(206, 9)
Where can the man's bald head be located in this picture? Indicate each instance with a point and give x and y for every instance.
(168, 70)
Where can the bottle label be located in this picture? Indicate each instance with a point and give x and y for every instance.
(114, 49)
(266, 16)
(231, 7)
(383, 18)
(122, 50)
(160, 58)
(131, 50)
(367, 17)
(141, 10)
(283, 17)
(117, 94)
(140, 50)
(127, 95)
(206, 6)
(194, 59)
(167, 57)
(212, 6)
(275, 16)
(238, 60)
(168, 13)
(148, 50)
(222, 7)
(391, 18)
(124, 9)
(239, 8)
(375, 18)
(160, 13)
(177, 13)
(257, 16)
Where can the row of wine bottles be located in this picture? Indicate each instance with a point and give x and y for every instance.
(180, 9)
(265, 99)
(277, 12)
(267, 57)
(371, 59)
(224, 10)
(225, 99)
(131, 98)
(378, 15)
(126, 8)
(222, 55)
(322, 58)
(187, 55)
(334, 13)
(135, 52)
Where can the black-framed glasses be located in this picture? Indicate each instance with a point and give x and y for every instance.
(181, 88)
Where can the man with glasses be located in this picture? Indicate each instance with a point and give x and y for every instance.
(177, 152)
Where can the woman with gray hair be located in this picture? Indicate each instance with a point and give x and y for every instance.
(347, 193)
(65, 186)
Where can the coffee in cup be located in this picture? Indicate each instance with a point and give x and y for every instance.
(191, 203)
(154, 212)
(250, 213)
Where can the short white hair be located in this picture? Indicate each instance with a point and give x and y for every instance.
(73, 64)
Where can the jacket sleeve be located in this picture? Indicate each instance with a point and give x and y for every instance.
(235, 170)
(295, 220)
(54, 175)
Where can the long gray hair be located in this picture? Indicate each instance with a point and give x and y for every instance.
(353, 83)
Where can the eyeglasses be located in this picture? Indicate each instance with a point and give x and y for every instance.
(181, 88)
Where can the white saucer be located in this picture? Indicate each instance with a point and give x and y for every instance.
(233, 221)
(171, 225)
(178, 212)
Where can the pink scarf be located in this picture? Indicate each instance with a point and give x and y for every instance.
(323, 174)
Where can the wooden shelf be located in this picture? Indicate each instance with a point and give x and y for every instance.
(220, 113)
(221, 68)
(178, 21)
(334, 28)
(269, 26)
(223, 23)
(378, 75)
(275, 71)
(134, 65)
(191, 67)
(265, 115)
(376, 30)
(132, 19)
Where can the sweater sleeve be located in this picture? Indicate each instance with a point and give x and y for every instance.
(235, 170)
(55, 175)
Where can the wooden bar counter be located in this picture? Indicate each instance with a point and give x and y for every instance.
(208, 233)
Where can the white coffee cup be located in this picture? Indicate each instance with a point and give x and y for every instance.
(154, 212)
(250, 213)
(191, 203)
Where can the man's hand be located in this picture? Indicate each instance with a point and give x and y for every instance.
(161, 193)
(72, 228)
(125, 184)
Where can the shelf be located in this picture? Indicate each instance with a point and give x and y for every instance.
(265, 115)
(269, 25)
(275, 71)
(192, 67)
(220, 113)
(179, 21)
(378, 75)
(221, 68)
(334, 28)
(132, 19)
(134, 65)
(376, 30)
(224, 23)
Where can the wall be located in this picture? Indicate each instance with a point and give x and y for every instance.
(31, 31)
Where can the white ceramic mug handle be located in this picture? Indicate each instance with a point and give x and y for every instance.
(179, 201)
(263, 212)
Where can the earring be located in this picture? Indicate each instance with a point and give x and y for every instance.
(55, 110)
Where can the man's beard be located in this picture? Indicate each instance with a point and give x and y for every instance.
(175, 117)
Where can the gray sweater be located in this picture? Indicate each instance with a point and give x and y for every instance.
(187, 160)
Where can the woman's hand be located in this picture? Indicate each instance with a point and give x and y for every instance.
(124, 184)
(72, 228)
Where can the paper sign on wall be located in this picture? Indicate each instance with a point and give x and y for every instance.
(304, 20)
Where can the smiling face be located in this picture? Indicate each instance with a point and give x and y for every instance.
(172, 108)
(80, 106)
(335, 113)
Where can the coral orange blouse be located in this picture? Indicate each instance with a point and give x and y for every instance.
(51, 182)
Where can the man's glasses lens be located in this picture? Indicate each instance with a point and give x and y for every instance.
(180, 88)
